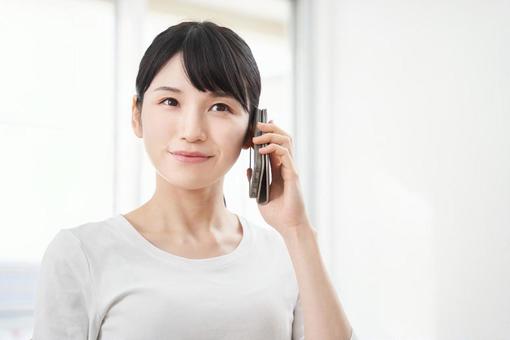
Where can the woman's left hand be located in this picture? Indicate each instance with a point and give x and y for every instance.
(285, 210)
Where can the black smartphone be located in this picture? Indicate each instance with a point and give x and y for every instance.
(261, 172)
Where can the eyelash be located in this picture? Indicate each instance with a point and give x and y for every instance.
(227, 107)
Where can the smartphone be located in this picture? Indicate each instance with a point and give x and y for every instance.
(261, 173)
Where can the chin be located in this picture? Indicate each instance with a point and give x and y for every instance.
(188, 181)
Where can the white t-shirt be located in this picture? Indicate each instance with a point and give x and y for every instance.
(103, 280)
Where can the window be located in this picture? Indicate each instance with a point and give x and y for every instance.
(55, 135)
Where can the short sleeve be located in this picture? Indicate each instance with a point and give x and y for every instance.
(298, 326)
(63, 305)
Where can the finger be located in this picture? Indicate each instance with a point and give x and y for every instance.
(288, 169)
(271, 137)
(271, 127)
(276, 165)
(268, 129)
(275, 138)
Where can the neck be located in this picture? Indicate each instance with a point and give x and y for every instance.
(183, 211)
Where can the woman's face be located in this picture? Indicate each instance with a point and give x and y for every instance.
(178, 117)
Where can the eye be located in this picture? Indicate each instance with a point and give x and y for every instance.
(224, 106)
(172, 99)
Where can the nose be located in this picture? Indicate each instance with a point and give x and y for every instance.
(193, 126)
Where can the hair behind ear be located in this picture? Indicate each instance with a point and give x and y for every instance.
(250, 131)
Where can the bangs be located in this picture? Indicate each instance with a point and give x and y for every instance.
(215, 59)
(212, 63)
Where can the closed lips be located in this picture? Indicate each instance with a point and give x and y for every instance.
(190, 154)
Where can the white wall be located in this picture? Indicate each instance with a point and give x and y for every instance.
(417, 95)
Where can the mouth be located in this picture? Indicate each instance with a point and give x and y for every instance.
(190, 153)
(190, 159)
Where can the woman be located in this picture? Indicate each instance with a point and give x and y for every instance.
(182, 266)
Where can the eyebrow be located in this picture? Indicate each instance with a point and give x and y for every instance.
(217, 93)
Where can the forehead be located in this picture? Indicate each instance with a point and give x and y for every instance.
(172, 78)
(172, 72)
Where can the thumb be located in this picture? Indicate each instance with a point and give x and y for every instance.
(248, 173)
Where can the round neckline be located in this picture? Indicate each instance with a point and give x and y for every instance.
(134, 235)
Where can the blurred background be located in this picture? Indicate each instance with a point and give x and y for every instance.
(400, 114)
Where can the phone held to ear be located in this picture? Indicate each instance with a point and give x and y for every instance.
(260, 178)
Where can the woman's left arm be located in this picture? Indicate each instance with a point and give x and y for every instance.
(324, 318)
(323, 315)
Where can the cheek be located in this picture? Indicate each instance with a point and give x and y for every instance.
(156, 137)
(230, 136)
(233, 144)
(158, 131)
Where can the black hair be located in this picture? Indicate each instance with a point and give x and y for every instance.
(215, 59)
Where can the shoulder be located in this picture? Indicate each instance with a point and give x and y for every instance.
(90, 230)
(64, 242)
(271, 251)
(69, 244)
(264, 234)
(64, 260)
(261, 229)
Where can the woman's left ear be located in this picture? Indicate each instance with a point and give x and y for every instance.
(248, 142)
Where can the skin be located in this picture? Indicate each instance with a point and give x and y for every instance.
(186, 212)
(188, 201)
